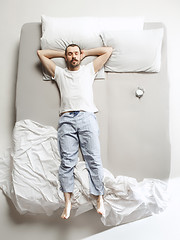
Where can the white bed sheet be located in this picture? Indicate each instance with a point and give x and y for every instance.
(29, 177)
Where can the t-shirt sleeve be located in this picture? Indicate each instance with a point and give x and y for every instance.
(91, 70)
(55, 74)
(58, 72)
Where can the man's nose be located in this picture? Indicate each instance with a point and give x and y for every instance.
(74, 55)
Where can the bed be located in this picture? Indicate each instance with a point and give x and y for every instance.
(134, 133)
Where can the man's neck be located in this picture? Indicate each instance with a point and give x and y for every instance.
(74, 68)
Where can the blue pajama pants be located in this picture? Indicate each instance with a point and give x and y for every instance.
(80, 129)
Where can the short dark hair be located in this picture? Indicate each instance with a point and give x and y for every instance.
(72, 45)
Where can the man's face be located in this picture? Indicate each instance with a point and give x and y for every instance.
(73, 58)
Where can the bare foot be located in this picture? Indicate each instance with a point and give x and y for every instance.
(66, 213)
(100, 205)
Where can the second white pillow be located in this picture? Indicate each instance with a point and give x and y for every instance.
(134, 51)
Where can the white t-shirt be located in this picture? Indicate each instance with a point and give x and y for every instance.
(76, 88)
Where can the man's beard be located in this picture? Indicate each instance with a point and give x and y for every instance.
(75, 64)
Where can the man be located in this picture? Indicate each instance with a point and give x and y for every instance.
(77, 123)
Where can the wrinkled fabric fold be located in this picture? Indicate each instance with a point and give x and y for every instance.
(29, 177)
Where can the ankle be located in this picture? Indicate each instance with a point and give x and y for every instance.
(100, 198)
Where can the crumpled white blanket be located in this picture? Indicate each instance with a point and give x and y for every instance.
(29, 176)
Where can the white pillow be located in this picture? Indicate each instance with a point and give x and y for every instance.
(134, 51)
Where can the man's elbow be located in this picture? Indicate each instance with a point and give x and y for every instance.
(109, 50)
(39, 52)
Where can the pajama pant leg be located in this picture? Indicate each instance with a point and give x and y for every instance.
(88, 132)
(68, 147)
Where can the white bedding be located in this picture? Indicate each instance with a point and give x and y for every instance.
(29, 176)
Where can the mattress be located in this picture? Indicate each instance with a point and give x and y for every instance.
(134, 133)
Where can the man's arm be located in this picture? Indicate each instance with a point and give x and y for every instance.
(103, 54)
(45, 58)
